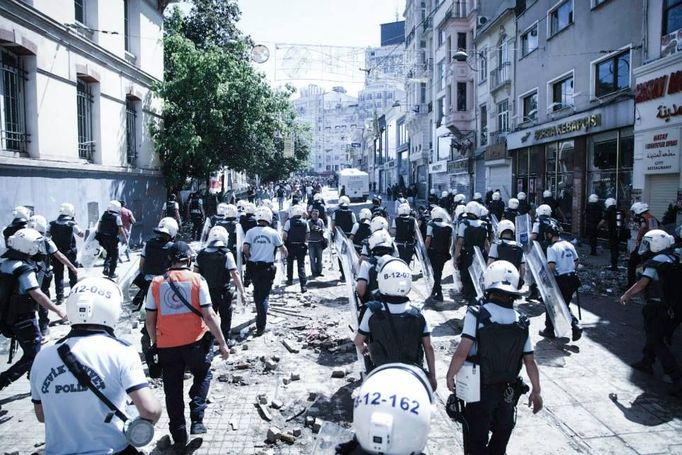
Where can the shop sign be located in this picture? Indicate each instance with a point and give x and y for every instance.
(438, 167)
(662, 152)
(496, 152)
(584, 123)
(457, 167)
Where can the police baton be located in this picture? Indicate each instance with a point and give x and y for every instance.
(577, 298)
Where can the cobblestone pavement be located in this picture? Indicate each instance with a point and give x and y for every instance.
(594, 403)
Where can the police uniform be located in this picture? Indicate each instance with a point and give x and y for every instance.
(563, 255)
(510, 214)
(172, 209)
(474, 232)
(361, 232)
(507, 250)
(76, 418)
(439, 251)
(539, 228)
(45, 273)
(378, 210)
(614, 224)
(63, 232)
(405, 234)
(13, 227)
(524, 207)
(423, 219)
(263, 242)
(497, 208)
(368, 274)
(593, 215)
(196, 215)
(297, 233)
(646, 222)
(315, 244)
(345, 220)
(107, 236)
(501, 339)
(215, 265)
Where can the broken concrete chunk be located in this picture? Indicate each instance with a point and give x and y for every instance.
(291, 346)
(312, 396)
(224, 378)
(287, 437)
(273, 434)
(297, 432)
(295, 376)
(270, 365)
(316, 426)
(276, 404)
(262, 398)
(338, 374)
(264, 413)
(309, 421)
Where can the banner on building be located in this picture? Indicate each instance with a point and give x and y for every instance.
(662, 151)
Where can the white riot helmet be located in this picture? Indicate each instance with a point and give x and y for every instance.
(250, 208)
(593, 198)
(640, 208)
(267, 203)
(404, 209)
(67, 209)
(264, 214)
(114, 206)
(21, 212)
(460, 198)
(240, 206)
(27, 241)
(378, 223)
(295, 210)
(39, 223)
(459, 210)
(394, 277)
(380, 238)
(432, 191)
(501, 276)
(344, 201)
(521, 196)
(484, 211)
(444, 193)
(98, 302)
(217, 236)
(388, 426)
(655, 241)
(543, 210)
(168, 226)
(365, 214)
(610, 202)
(439, 213)
(513, 203)
(222, 209)
(477, 196)
(547, 193)
(474, 208)
(505, 225)
(231, 211)
(497, 196)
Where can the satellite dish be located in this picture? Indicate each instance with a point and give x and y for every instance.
(260, 53)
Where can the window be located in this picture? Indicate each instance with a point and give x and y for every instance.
(559, 161)
(484, 124)
(461, 41)
(562, 93)
(80, 11)
(612, 74)
(439, 111)
(131, 131)
(442, 72)
(529, 40)
(441, 36)
(422, 92)
(126, 25)
(672, 16)
(12, 103)
(560, 17)
(461, 96)
(503, 116)
(84, 99)
(529, 104)
(484, 66)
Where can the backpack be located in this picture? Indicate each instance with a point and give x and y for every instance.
(670, 274)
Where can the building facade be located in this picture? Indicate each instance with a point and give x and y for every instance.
(77, 105)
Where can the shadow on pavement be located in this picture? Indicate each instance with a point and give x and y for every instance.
(448, 328)
(18, 396)
(640, 410)
(332, 359)
(337, 408)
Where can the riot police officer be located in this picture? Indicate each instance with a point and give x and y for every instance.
(423, 218)
(275, 213)
(542, 221)
(171, 209)
(496, 206)
(63, 232)
(196, 214)
(405, 227)
(361, 230)
(380, 244)
(593, 215)
(295, 236)
(344, 218)
(506, 248)
(154, 260)
(377, 208)
(495, 339)
(108, 230)
(19, 221)
(478, 197)
(433, 199)
(645, 222)
(438, 244)
(524, 206)
(512, 210)
(549, 199)
(218, 219)
(472, 232)
(614, 220)
(444, 201)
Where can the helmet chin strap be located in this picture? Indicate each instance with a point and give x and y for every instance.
(501, 299)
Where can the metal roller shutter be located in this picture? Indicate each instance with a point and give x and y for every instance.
(662, 192)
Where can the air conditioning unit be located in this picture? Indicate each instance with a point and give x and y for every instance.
(482, 20)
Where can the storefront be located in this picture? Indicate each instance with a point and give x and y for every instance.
(658, 107)
(460, 178)
(439, 175)
(498, 170)
(590, 152)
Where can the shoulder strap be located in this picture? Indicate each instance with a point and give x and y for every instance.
(179, 295)
(76, 368)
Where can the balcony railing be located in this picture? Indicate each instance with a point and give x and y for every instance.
(15, 141)
(86, 150)
(500, 76)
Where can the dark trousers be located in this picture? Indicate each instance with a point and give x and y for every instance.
(634, 261)
(110, 245)
(491, 414)
(315, 253)
(406, 251)
(592, 238)
(468, 289)
(222, 304)
(27, 334)
(197, 228)
(297, 253)
(196, 358)
(59, 275)
(614, 248)
(657, 324)
(438, 261)
(567, 286)
(43, 313)
(262, 275)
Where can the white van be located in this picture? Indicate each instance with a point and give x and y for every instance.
(354, 184)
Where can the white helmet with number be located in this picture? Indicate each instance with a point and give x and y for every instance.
(231, 211)
(593, 198)
(404, 209)
(114, 206)
(21, 212)
(521, 196)
(344, 201)
(27, 241)
(610, 202)
(460, 198)
(543, 210)
(655, 241)
(264, 214)
(380, 238)
(67, 209)
(439, 213)
(547, 193)
(365, 214)
(497, 196)
(39, 223)
(473, 208)
(392, 412)
(217, 236)
(222, 209)
(513, 203)
(501, 276)
(168, 226)
(250, 208)
(505, 225)
(296, 210)
(394, 277)
(378, 223)
(94, 300)
(477, 196)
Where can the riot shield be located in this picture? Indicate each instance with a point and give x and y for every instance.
(424, 261)
(239, 256)
(330, 248)
(127, 277)
(476, 272)
(494, 221)
(205, 231)
(551, 296)
(90, 250)
(523, 231)
(280, 264)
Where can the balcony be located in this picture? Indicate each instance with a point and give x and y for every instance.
(500, 77)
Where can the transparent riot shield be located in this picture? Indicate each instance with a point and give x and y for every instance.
(240, 243)
(205, 231)
(551, 296)
(331, 247)
(424, 261)
(494, 221)
(476, 271)
(90, 250)
(523, 231)
(125, 280)
(280, 264)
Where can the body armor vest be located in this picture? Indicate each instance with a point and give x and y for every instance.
(405, 229)
(156, 260)
(212, 267)
(109, 226)
(61, 231)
